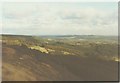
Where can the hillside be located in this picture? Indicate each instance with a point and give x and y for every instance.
(59, 58)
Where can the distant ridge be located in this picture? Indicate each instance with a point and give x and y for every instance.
(60, 35)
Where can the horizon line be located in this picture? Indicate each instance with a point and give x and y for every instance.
(55, 34)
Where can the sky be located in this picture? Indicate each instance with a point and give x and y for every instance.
(64, 18)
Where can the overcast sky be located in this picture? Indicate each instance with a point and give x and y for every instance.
(60, 18)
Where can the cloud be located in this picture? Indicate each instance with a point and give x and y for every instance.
(59, 19)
